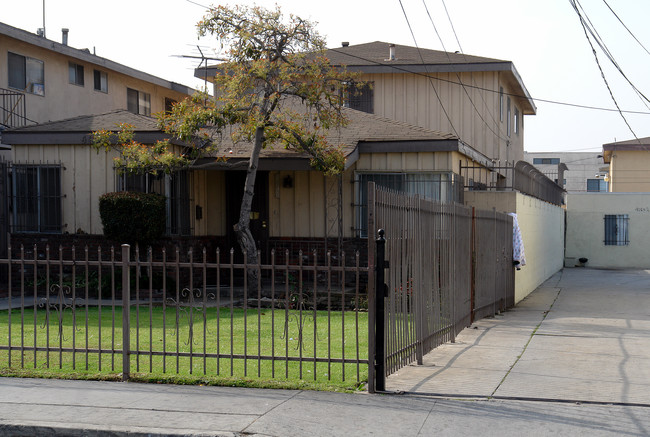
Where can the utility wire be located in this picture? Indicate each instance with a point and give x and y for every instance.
(427, 75)
(555, 102)
(602, 73)
(626, 28)
(463, 85)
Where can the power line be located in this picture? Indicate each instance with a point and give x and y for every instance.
(555, 102)
(626, 28)
(430, 82)
(575, 3)
(461, 82)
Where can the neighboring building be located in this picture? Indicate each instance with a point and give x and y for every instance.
(584, 170)
(629, 164)
(42, 80)
(481, 101)
(610, 230)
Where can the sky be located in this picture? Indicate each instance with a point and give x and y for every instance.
(544, 40)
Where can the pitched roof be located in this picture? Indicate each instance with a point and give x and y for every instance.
(89, 123)
(86, 56)
(637, 144)
(76, 130)
(361, 128)
(377, 52)
(364, 133)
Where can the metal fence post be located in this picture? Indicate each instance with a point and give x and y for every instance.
(126, 306)
(380, 295)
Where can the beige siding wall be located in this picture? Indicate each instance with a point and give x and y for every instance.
(628, 172)
(586, 229)
(64, 100)
(417, 100)
(542, 229)
(85, 175)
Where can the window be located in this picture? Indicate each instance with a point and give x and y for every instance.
(360, 98)
(508, 119)
(101, 81)
(616, 230)
(36, 198)
(175, 187)
(501, 103)
(554, 161)
(516, 120)
(138, 102)
(76, 74)
(169, 104)
(441, 186)
(26, 74)
(596, 185)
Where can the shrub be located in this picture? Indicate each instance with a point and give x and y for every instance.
(131, 217)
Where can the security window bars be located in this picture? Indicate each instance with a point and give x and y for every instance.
(441, 186)
(360, 98)
(37, 198)
(100, 79)
(175, 187)
(138, 102)
(26, 74)
(616, 230)
(76, 74)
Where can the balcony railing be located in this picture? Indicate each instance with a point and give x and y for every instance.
(12, 109)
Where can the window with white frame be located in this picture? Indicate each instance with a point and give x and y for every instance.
(138, 102)
(616, 230)
(26, 74)
(508, 118)
(76, 74)
(501, 103)
(174, 186)
(596, 185)
(36, 198)
(516, 120)
(100, 80)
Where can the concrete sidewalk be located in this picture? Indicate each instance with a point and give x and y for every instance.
(572, 359)
(583, 336)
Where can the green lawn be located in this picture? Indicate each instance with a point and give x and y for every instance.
(288, 356)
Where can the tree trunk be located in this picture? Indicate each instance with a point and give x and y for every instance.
(242, 228)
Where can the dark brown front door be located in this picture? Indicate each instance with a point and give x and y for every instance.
(259, 212)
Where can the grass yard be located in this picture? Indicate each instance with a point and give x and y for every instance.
(268, 348)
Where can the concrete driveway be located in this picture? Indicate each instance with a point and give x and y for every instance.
(584, 336)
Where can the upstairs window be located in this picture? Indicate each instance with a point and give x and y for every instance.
(516, 120)
(596, 185)
(360, 98)
(508, 118)
(76, 74)
(26, 74)
(101, 81)
(37, 198)
(554, 161)
(616, 230)
(501, 103)
(138, 102)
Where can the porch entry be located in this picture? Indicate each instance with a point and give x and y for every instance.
(259, 224)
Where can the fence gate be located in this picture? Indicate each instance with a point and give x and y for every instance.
(437, 265)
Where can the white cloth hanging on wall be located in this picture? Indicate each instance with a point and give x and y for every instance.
(517, 243)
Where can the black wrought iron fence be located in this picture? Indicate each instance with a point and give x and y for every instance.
(123, 312)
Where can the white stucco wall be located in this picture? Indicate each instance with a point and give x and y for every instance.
(586, 230)
(542, 229)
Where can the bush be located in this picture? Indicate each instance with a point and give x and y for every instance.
(131, 217)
